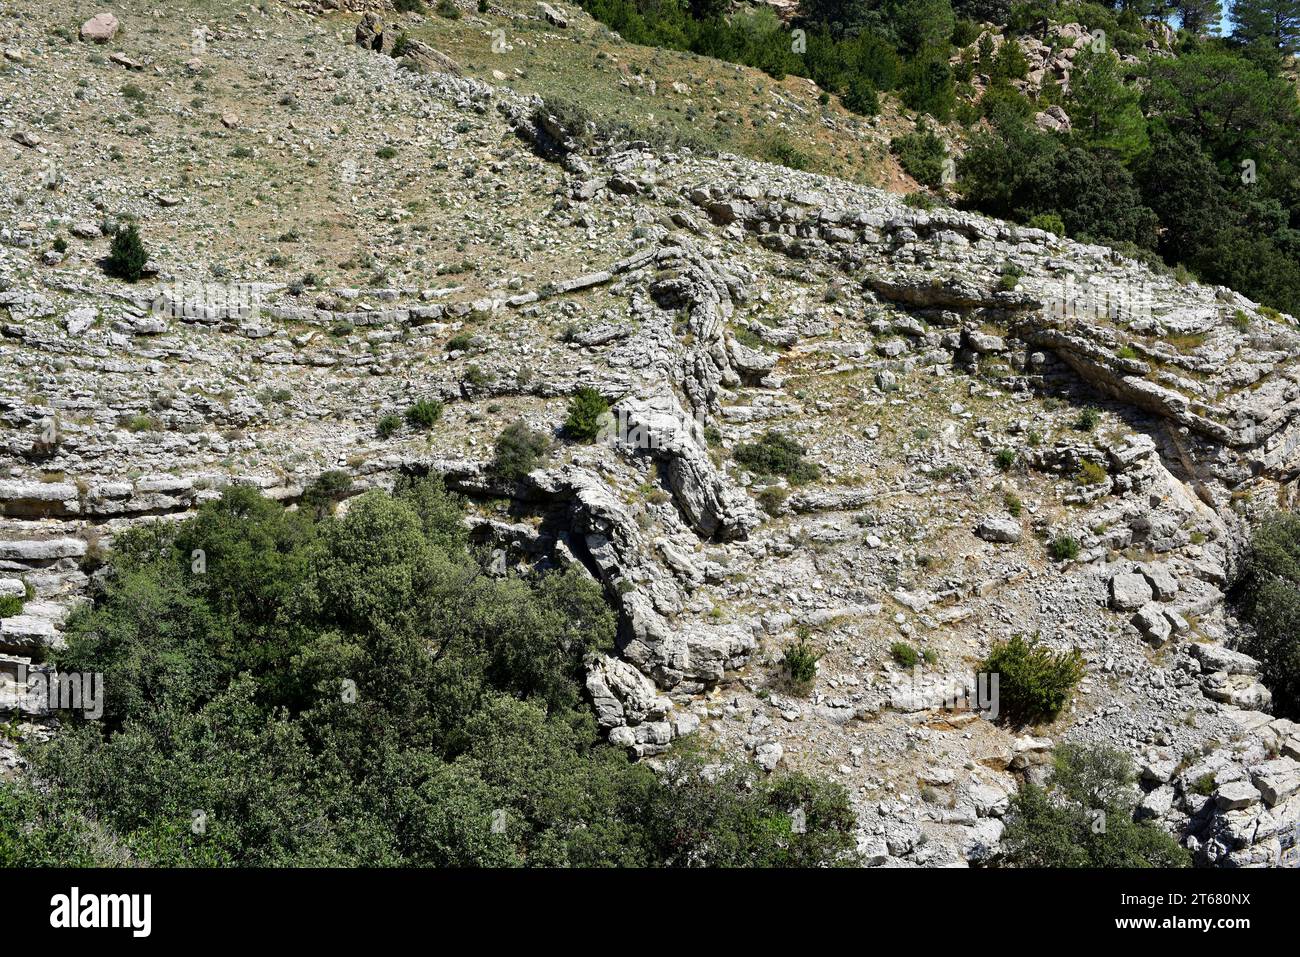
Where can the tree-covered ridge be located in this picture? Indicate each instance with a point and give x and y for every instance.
(1185, 157)
(286, 687)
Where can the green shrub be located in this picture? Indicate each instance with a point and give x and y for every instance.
(1047, 221)
(904, 654)
(388, 425)
(127, 255)
(1064, 548)
(519, 450)
(354, 691)
(460, 342)
(1084, 817)
(800, 661)
(448, 9)
(585, 415)
(10, 605)
(326, 491)
(772, 499)
(861, 97)
(779, 150)
(1268, 590)
(775, 453)
(140, 422)
(424, 414)
(1091, 473)
(1088, 419)
(1005, 459)
(1034, 682)
(1010, 277)
(921, 154)
(1012, 503)
(409, 6)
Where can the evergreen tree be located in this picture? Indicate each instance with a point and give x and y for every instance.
(127, 256)
(1104, 112)
(1267, 27)
(1198, 16)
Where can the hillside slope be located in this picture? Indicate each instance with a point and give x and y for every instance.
(335, 235)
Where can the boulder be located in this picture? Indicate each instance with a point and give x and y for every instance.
(768, 755)
(370, 34)
(1276, 780)
(100, 28)
(1129, 591)
(1236, 795)
(1152, 623)
(997, 528)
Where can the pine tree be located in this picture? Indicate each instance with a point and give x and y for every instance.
(1198, 16)
(127, 256)
(1271, 27)
(1105, 113)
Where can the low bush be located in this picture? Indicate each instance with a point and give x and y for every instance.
(921, 154)
(1063, 548)
(1034, 682)
(904, 654)
(519, 450)
(583, 419)
(775, 453)
(424, 414)
(800, 661)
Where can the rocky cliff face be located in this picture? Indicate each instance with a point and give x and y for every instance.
(710, 300)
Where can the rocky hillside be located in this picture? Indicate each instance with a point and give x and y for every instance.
(335, 233)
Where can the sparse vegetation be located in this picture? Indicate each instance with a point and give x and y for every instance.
(775, 453)
(800, 660)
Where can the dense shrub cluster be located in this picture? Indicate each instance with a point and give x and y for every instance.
(1269, 590)
(356, 691)
(1084, 817)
